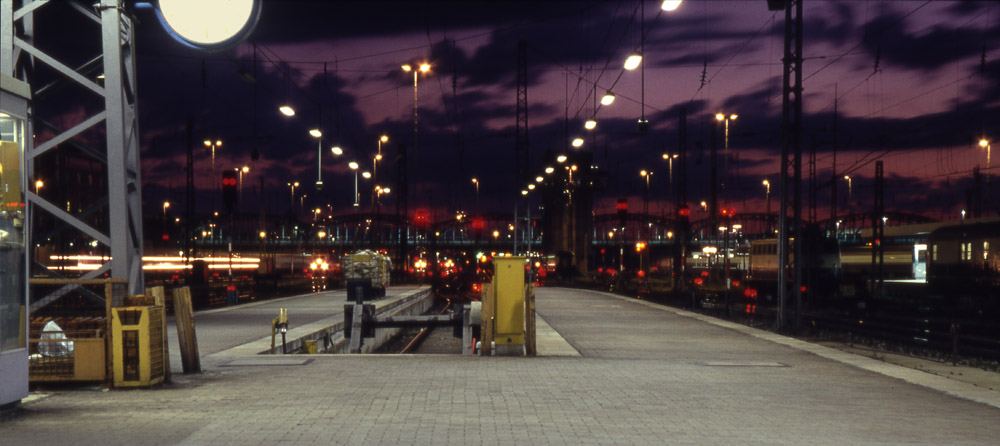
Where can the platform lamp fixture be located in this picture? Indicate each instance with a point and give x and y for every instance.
(210, 25)
(316, 133)
(354, 166)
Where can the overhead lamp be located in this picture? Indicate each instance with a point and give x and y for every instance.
(531, 187)
(561, 158)
(670, 5)
(337, 150)
(384, 138)
(425, 67)
(524, 192)
(984, 142)
(539, 179)
(550, 169)
(366, 174)
(608, 98)
(316, 133)
(577, 142)
(287, 110)
(353, 165)
(633, 61)
(211, 25)
(590, 124)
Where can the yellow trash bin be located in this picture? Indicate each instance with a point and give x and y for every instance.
(137, 346)
(509, 314)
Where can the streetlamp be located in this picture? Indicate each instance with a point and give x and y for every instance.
(213, 144)
(316, 133)
(423, 68)
(670, 5)
(767, 196)
(354, 166)
(241, 171)
(985, 143)
(39, 184)
(378, 156)
(382, 139)
(166, 204)
(608, 98)
(645, 200)
(476, 182)
(293, 186)
(848, 178)
(670, 169)
(725, 141)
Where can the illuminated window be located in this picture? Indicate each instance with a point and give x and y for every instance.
(966, 253)
(934, 253)
(986, 250)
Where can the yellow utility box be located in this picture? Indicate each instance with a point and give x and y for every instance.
(509, 308)
(137, 341)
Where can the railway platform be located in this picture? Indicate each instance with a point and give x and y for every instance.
(611, 370)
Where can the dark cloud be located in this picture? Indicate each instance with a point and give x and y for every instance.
(896, 45)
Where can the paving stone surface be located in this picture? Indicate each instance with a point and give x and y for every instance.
(645, 375)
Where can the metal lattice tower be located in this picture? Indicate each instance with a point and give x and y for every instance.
(20, 57)
(521, 154)
(790, 185)
(878, 232)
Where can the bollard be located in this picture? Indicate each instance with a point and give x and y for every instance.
(279, 324)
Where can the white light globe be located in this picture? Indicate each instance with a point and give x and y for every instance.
(209, 24)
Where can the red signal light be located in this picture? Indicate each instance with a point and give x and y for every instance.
(698, 281)
(684, 212)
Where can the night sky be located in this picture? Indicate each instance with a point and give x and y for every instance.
(913, 83)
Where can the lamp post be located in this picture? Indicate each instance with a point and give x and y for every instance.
(848, 178)
(166, 204)
(476, 182)
(293, 186)
(645, 199)
(422, 68)
(378, 157)
(767, 196)
(212, 145)
(721, 117)
(354, 166)
(316, 133)
(985, 143)
(241, 171)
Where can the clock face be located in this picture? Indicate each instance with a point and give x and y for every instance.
(209, 24)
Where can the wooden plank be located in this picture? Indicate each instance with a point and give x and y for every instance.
(44, 281)
(186, 338)
(529, 320)
(109, 371)
(486, 327)
(160, 300)
(356, 336)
